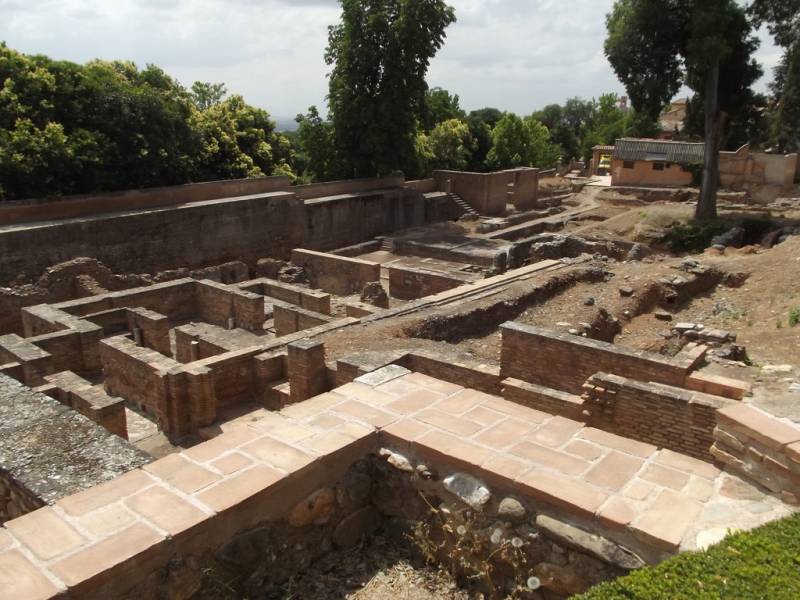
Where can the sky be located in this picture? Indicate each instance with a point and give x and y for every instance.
(516, 55)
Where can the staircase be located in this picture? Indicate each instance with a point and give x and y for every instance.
(463, 205)
(387, 244)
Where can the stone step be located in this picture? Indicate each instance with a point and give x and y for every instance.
(277, 395)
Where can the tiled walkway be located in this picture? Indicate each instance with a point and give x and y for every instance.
(666, 499)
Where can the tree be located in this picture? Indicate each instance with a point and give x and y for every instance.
(448, 146)
(440, 106)
(379, 54)
(206, 95)
(656, 45)
(315, 137)
(518, 142)
(481, 122)
(782, 18)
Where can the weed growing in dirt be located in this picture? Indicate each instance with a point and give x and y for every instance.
(794, 317)
(475, 552)
(779, 324)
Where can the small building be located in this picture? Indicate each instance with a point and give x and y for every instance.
(672, 120)
(657, 163)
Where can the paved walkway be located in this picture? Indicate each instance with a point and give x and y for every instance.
(666, 499)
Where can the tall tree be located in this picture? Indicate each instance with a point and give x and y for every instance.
(518, 142)
(656, 45)
(379, 54)
(448, 146)
(205, 95)
(440, 106)
(782, 18)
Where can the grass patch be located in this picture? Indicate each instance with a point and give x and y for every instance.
(695, 236)
(762, 564)
(794, 317)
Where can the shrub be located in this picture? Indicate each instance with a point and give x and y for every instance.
(794, 317)
(759, 564)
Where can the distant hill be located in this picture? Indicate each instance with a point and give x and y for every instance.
(285, 123)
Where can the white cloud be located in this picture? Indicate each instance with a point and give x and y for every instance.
(513, 54)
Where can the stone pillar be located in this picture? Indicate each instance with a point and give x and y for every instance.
(308, 375)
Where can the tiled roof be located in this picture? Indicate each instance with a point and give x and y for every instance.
(659, 150)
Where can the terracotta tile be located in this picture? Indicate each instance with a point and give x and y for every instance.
(181, 473)
(365, 413)
(240, 487)
(556, 432)
(517, 410)
(484, 416)
(629, 446)
(103, 556)
(45, 533)
(506, 467)
(230, 463)
(5, 539)
(278, 454)
(406, 430)
(760, 425)
(614, 470)
(312, 406)
(616, 513)
(667, 520)
(462, 401)
(20, 579)
(398, 387)
(355, 430)
(430, 383)
(574, 496)
(504, 434)
(105, 493)
(638, 489)
(583, 449)
(105, 521)
(447, 422)
(325, 421)
(288, 431)
(166, 510)
(413, 402)
(665, 476)
(365, 393)
(550, 459)
(221, 444)
(689, 464)
(329, 442)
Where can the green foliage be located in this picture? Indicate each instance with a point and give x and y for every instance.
(440, 106)
(67, 128)
(794, 316)
(760, 564)
(448, 146)
(481, 122)
(518, 142)
(205, 95)
(379, 53)
(785, 116)
(694, 237)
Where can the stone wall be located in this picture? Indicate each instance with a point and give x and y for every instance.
(290, 319)
(758, 446)
(334, 274)
(77, 455)
(564, 362)
(303, 297)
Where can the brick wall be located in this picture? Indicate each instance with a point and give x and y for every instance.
(289, 319)
(91, 401)
(565, 362)
(474, 375)
(154, 329)
(546, 399)
(336, 274)
(760, 447)
(665, 416)
(309, 299)
(408, 283)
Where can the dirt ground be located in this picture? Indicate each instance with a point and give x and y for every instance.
(380, 569)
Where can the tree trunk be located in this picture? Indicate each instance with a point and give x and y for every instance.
(707, 206)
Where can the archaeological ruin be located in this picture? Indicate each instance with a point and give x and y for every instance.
(204, 389)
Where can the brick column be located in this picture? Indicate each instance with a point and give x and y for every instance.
(308, 375)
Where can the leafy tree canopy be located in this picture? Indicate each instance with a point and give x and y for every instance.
(379, 54)
(518, 142)
(440, 106)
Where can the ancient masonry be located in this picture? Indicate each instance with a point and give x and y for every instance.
(219, 319)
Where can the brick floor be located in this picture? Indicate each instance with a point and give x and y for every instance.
(595, 478)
